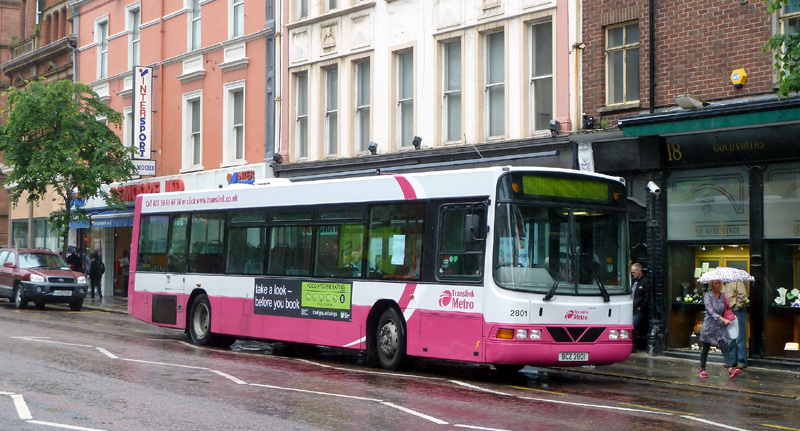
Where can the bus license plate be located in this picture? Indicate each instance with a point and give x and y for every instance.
(573, 356)
(62, 293)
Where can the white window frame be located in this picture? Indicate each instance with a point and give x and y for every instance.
(787, 15)
(192, 160)
(301, 139)
(235, 19)
(331, 107)
(133, 24)
(362, 109)
(489, 86)
(232, 154)
(192, 20)
(451, 92)
(302, 9)
(625, 48)
(403, 99)
(101, 41)
(534, 79)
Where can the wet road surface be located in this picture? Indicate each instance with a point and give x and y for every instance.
(96, 370)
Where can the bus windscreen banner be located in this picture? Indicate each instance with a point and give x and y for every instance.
(297, 298)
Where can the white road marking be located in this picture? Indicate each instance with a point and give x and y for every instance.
(415, 413)
(166, 364)
(281, 388)
(569, 403)
(47, 340)
(22, 408)
(229, 377)
(380, 373)
(107, 353)
(67, 427)
(716, 424)
(477, 428)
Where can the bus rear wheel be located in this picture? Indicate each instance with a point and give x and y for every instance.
(200, 321)
(391, 340)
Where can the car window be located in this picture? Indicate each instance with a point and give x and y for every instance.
(12, 257)
(41, 260)
(3, 256)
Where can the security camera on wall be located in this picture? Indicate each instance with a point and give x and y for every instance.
(653, 188)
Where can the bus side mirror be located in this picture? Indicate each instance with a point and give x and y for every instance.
(474, 230)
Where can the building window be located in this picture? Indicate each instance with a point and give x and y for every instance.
(192, 127)
(302, 9)
(331, 110)
(237, 18)
(541, 75)
(405, 98)
(234, 142)
(790, 18)
(622, 63)
(301, 115)
(451, 88)
(331, 5)
(134, 21)
(362, 105)
(194, 25)
(494, 85)
(101, 39)
(127, 126)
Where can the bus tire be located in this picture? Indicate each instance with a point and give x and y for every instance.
(391, 340)
(200, 321)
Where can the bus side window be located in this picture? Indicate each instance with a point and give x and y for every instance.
(340, 251)
(153, 233)
(290, 250)
(461, 242)
(245, 251)
(396, 234)
(205, 246)
(176, 258)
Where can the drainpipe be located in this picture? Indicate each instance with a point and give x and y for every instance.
(652, 53)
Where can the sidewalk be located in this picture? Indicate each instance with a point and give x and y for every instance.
(756, 380)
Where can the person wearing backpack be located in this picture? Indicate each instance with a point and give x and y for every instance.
(96, 270)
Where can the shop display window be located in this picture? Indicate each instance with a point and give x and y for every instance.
(688, 262)
(783, 298)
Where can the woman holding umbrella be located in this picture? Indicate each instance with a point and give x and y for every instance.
(714, 329)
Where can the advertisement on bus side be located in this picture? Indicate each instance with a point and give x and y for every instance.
(297, 298)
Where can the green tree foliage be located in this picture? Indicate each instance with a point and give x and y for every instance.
(786, 50)
(56, 141)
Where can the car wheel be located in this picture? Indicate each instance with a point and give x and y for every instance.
(20, 301)
(200, 321)
(38, 304)
(391, 340)
(76, 305)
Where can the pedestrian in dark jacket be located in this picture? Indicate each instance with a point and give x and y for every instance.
(96, 270)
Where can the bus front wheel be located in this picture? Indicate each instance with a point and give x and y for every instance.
(200, 321)
(391, 340)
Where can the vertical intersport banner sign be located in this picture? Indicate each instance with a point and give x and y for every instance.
(142, 108)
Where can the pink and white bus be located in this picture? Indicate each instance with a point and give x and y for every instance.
(504, 266)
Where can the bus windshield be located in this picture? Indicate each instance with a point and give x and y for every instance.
(560, 249)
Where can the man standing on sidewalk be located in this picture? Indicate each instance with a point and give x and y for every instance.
(639, 295)
(736, 292)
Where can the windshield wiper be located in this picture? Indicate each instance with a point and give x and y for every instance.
(603, 291)
(552, 291)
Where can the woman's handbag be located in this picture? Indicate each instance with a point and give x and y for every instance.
(728, 314)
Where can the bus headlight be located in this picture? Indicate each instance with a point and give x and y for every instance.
(522, 334)
(536, 334)
(613, 334)
(624, 334)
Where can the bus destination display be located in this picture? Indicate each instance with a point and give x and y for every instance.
(296, 298)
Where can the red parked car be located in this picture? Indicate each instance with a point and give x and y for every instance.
(40, 276)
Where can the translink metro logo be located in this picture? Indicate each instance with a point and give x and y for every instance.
(457, 299)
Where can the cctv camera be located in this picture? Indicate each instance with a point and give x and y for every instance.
(654, 188)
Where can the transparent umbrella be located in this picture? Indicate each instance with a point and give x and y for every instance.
(725, 275)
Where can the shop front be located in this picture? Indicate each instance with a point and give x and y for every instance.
(110, 232)
(730, 180)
